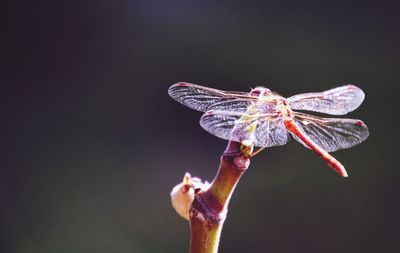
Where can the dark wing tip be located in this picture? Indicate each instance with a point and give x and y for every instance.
(360, 123)
(209, 113)
(173, 87)
(180, 84)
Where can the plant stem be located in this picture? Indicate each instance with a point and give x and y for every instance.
(209, 208)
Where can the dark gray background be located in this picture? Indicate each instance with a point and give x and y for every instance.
(91, 144)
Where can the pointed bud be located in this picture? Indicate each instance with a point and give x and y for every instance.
(183, 194)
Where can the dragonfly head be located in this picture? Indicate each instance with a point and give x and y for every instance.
(260, 91)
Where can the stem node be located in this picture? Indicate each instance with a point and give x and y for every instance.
(209, 208)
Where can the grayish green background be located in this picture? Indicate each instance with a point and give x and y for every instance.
(91, 144)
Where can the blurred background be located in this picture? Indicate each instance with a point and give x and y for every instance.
(91, 143)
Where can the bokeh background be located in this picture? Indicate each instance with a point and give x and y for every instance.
(91, 144)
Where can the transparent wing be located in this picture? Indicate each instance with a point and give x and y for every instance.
(244, 106)
(271, 132)
(337, 101)
(232, 125)
(200, 98)
(221, 123)
(331, 134)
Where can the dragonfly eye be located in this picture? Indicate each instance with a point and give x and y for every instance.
(260, 91)
(255, 91)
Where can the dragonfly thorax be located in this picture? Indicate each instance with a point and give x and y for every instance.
(266, 96)
(283, 107)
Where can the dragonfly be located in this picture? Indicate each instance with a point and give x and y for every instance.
(266, 119)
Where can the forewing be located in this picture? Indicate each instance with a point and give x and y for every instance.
(337, 101)
(331, 134)
(200, 98)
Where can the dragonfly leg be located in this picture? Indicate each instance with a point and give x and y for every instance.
(257, 151)
(247, 149)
